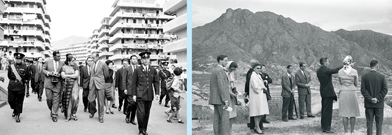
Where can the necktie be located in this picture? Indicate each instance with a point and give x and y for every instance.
(88, 70)
(95, 67)
(291, 83)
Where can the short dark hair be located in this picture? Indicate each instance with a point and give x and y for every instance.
(108, 62)
(255, 65)
(233, 65)
(373, 63)
(221, 57)
(10, 52)
(66, 56)
(133, 56)
(289, 66)
(301, 64)
(55, 53)
(323, 60)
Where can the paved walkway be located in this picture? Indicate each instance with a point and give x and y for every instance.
(35, 119)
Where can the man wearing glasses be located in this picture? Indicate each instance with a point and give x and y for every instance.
(52, 70)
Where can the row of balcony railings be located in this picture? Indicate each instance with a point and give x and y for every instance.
(24, 8)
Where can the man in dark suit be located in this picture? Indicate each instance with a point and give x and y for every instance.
(131, 106)
(39, 78)
(119, 84)
(220, 96)
(374, 88)
(327, 92)
(302, 79)
(85, 81)
(144, 81)
(52, 70)
(99, 72)
(288, 82)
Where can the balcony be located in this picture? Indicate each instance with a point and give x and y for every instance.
(24, 10)
(120, 15)
(106, 54)
(39, 45)
(102, 32)
(47, 38)
(24, 32)
(95, 39)
(175, 24)
(119, 36)
(118, 27)
(103, 46)
(173, 5)
(42, 2)
(175, 46)
(2, 6)
(105, 38)
(1, 33)
(21, 21)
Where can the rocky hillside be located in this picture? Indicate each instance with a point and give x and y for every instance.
(278, 41)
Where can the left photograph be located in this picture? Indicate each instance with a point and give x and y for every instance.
(89, 67)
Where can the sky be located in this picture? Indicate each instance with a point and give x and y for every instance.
(77, 17)
(329, 15)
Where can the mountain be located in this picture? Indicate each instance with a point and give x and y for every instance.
(68, 41)
(277, 41)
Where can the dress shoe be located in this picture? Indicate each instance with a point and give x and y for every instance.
(263, 128)
(114, 106)
(27, 95)
(17, 119)
(101, 120)
(133, 122)
(145, 133)
(160, 102)
(301, 117)
(328, 132)
(265, 121)
(311, 116)
(40, 99)
(91, 115)
(54, 119)
(13, 114)
(169, 121)
(167, 106)
(259, 132)
(74, 117)
(285, 120)
(119, 109)
(85, 109)
(293, 118)
(127, 120)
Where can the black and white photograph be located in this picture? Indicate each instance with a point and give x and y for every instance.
(93, 67)
(298, 67)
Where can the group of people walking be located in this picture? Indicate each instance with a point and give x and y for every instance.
(136, 85)
(223, 95)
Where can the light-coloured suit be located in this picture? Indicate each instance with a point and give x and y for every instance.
(219, 93)
(52, 90)
(304, 93)
(97, 85)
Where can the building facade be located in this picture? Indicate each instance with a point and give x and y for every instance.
(132, 27)
(78, 51)
(176, 47)
(26, 25)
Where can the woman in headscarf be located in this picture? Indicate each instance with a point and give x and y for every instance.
(230, 69)
(348, 102)
(70, 73)
(258, 106)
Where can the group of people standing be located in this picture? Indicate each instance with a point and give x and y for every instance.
(223, 94)
(136, 85)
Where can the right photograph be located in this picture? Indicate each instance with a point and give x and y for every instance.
(291, 67)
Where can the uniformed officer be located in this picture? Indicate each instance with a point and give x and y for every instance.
(144, 82)
(164, 75)
(18, 75)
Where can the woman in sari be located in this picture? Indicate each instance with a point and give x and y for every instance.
(70, 73)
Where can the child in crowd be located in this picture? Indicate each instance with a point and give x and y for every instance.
(175, 90)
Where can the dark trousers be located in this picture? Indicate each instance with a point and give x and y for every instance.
(221, 124)
(33, 88)
(326, 113)
(53, 100)
(15, 99)
(164, 92)
(288, 104)
(27, 87)
(40, 89)
(122, 100)
(143, 114)
(378, 115)
(130, 107)
(304, 99)
(85, 98)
